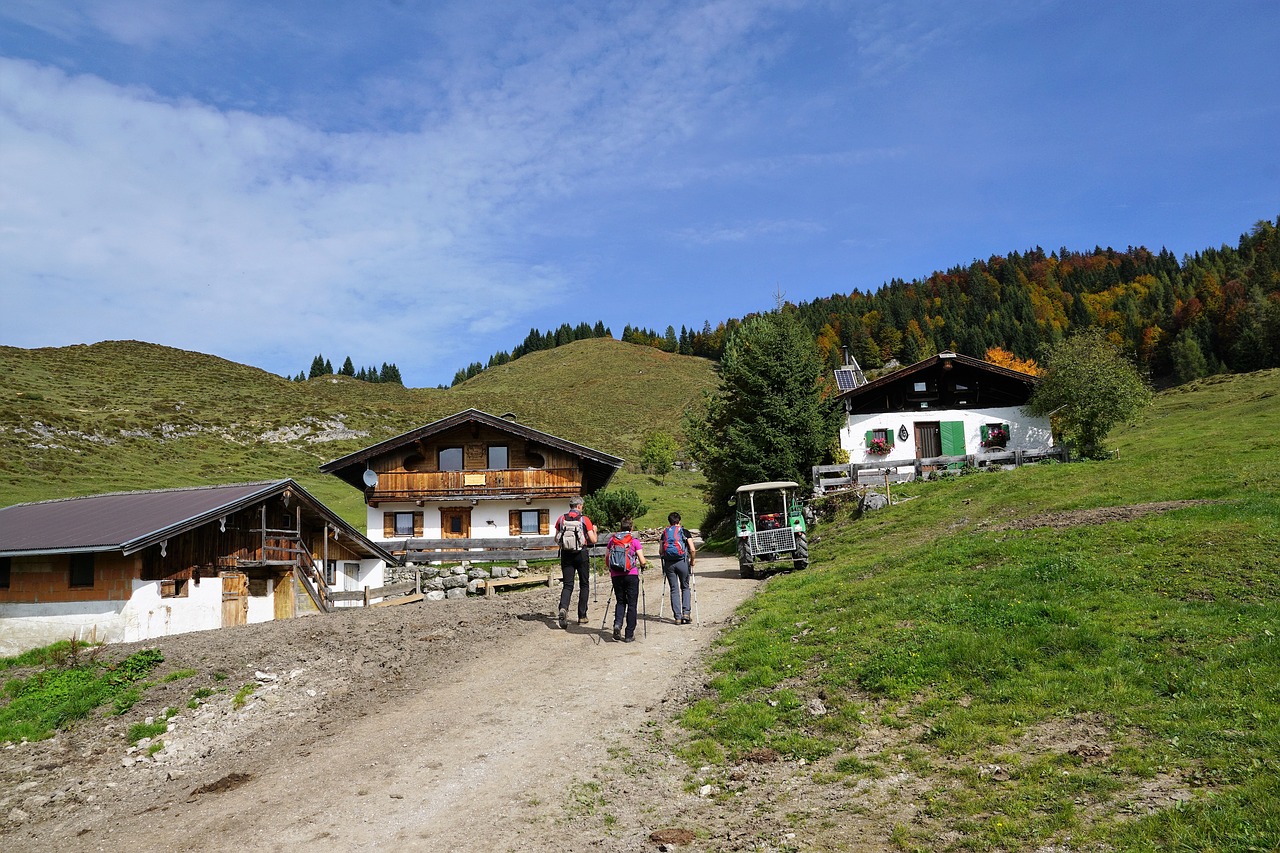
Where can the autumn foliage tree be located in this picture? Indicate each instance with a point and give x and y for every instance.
(1003, 358)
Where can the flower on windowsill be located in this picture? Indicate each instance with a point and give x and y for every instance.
(996, 437)
(878, 447)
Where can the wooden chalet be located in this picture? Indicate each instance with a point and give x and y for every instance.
(470, 479)
(134, 565)
(946, 407)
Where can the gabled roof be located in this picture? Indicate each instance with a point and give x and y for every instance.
(131, 521)
(1007, 378)
(599, 467)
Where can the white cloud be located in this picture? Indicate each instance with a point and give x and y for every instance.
(128, 214)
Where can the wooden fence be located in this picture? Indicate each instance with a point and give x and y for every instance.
(826, 477)
(381, 596)
(488, 550)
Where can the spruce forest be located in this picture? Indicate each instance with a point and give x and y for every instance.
(1179, 319)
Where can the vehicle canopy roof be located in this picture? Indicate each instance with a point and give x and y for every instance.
(760, 487)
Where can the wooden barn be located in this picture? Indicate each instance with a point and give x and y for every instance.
(134, 565)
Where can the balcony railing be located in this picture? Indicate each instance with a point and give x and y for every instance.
(509, 481)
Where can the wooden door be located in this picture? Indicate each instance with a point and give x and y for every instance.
(455, 522)
(283, 595)
(235, 598)
(928, 442)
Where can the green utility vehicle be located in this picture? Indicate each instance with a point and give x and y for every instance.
(772, 525)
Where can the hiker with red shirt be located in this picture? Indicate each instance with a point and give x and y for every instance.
(624, 554)
(575, 534)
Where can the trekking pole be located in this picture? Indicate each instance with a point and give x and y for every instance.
(693, 588)
(644, 604)
(605, 618)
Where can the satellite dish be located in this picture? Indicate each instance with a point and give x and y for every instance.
(370, 477)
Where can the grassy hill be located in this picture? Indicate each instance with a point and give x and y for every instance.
(123, 415)
(1063, 657)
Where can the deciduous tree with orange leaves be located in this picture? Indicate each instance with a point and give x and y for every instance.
(1003, 358)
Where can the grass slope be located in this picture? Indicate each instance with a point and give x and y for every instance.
(990, 625)
(124, 415)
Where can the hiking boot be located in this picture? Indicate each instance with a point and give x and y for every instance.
(617, 632)
(582, 620)
(628, 639)
(563, 619)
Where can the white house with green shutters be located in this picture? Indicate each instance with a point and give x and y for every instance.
(945, 405)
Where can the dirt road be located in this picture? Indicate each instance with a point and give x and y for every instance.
(441, 727)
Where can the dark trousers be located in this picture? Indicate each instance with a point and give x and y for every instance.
(626, 589)
(575, 563)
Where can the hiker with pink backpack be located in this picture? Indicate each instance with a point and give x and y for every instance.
(675, 545)
(624, 555)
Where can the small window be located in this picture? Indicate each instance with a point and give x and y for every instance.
(404, 524)
(497, 457)
(81, 570)
(331, 572)
(176, 588)
(920, 387)
(6, 564)
(529, 521)
(451, 459)
(454, 523)
(995, 435)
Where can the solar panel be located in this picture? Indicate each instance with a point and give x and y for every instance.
(847, 378)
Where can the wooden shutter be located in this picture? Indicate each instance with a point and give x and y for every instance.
(417, 525)
(513, 522)
(388, 525)
(952, 438)
(870, 435)
(544, 522)
(984, 432)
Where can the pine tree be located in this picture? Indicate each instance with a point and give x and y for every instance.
(769, 419)
(348, 369)
(317, 367)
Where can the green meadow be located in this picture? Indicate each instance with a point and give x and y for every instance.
(1000, 619)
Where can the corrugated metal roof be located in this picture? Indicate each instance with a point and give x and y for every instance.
(112, 521)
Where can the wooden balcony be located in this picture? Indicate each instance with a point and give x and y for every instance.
(505, 483)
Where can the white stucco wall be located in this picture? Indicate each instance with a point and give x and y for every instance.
(370, 573)
(1025, 432)
(489, 519)
(144, 615)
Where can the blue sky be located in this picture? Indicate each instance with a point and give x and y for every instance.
(423, 182)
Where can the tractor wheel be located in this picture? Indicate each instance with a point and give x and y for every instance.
(746, 563)
(801, 554)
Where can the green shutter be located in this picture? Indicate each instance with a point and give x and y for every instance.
(984, 432)
(869, 437)
(952, 438)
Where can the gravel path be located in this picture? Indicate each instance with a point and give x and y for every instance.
(440, 727)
